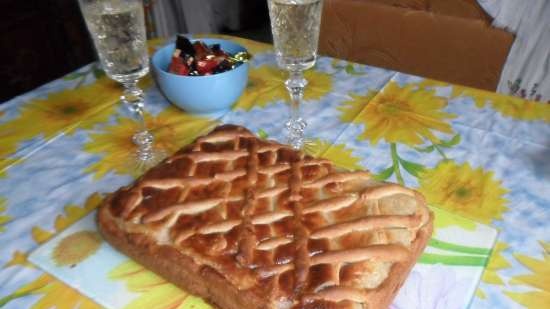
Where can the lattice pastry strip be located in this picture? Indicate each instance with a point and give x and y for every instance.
(260, 214)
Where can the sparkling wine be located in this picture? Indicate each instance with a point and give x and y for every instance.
(118, 31)
(295, 25)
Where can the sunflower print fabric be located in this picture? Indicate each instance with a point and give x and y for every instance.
(480, 155)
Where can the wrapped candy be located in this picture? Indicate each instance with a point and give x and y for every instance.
(199, 59)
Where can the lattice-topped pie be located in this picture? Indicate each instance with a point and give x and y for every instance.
(247, 224)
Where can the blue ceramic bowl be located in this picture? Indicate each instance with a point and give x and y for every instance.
(210, 95)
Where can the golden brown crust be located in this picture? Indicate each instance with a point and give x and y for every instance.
(178, 269)
(246, 223)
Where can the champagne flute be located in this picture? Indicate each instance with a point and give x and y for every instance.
(118, 31)
(295, 26)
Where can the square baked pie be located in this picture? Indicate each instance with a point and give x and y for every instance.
(247, 223)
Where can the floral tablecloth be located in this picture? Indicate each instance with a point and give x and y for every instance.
(474, 153)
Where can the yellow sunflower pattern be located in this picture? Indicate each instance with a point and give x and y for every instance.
(3, 218)
(59, 112)
(6, 163)
(18, 258)
(154, 292)
(443, 220)
(352, 108)
(52, 292)
(463, 190)
(401, 115)
(171, 128)
(73, 213)
(266, 85)
(508, 106)
(538, 280)
(341, 156)
(76, 247)
(497, 262)
(521, 109)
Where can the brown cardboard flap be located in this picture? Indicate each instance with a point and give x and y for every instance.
(452, 49)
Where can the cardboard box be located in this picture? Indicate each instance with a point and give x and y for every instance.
(448, 40)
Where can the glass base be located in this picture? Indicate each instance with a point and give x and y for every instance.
(146, 156)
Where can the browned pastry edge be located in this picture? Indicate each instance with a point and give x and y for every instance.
(175, 267)
(205, 282)
(386, 292)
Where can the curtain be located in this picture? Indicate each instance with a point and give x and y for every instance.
(194, 16)
(527, 70)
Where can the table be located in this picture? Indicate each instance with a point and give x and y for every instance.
(478, 154)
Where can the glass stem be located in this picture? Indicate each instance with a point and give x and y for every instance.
(143, 139)
(133, 98)
(295, 85)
